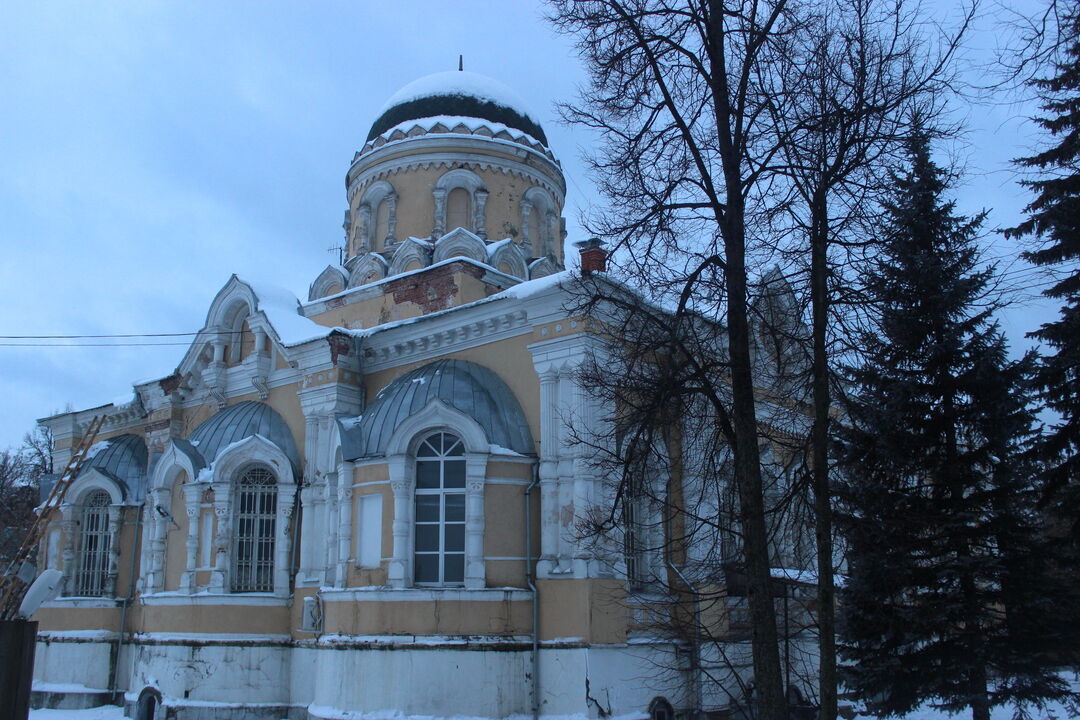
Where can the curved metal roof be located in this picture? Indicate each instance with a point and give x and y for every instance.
(467, 387)
(241, 421)
(461, 94)
(123, 459)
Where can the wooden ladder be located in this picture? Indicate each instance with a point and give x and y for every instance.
(21, 572)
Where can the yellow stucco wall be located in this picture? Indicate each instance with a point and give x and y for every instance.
(416, 204)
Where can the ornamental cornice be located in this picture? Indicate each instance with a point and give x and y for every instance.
(414, 343)
(534, 172)
(123, 417)
(482, 132)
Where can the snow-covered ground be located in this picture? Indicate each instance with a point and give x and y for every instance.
(1053, 711)
(106, 712)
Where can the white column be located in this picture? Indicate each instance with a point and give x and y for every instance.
(344, 534)
(566, 411)
(283, 543)
(364, 233)
(219, 577)
(67, 513)
(400, 572)
(154, 552)
(480, 215)
(440, 213)
(114, 550)
(330, 552)
(475, 571)
(526, 239)
(391, 222)
(549, 496)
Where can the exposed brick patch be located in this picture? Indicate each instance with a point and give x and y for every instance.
(433, 290)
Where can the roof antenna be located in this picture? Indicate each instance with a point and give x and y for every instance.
(460, 63)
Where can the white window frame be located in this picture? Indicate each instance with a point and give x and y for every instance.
(227, 468)
(401, 461)
(88, 483)
(95, 542)
(428, 451)
(254, 530)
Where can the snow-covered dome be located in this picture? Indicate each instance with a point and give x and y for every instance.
(457, 93)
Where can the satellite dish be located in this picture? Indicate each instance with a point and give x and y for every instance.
(44, 589)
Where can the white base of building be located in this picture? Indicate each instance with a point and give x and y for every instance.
(349, 678)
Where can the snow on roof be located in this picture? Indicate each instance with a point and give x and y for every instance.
(282, 309)
(452, 121)
(534, 287)
(458, 82)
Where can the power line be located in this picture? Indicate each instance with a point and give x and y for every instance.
(130, 335)
(85, 345)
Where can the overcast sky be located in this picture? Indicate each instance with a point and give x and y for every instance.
(150, 149)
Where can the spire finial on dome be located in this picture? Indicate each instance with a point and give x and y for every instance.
(461, 63)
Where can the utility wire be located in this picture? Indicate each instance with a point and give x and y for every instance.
(84, 345)
(131, 335)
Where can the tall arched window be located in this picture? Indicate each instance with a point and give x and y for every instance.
(458, 209)
(92, 577)
(382, 225)
(536, 232)
(254, 522)
(439, 542)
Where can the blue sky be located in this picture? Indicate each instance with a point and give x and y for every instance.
(150, 149)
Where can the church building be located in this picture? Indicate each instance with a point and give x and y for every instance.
(363, 501)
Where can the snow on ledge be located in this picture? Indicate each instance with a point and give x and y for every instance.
(73, 688)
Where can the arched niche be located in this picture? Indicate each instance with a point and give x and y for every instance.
(332, 276)
(376, 218)
(411, 251)
(507, 257)
(460, 243)
(370, 268)
(542, 267)
(539, 215)
(472, 188)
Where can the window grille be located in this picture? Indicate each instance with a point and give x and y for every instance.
(439, 552)
(92, 577)
(254, 521)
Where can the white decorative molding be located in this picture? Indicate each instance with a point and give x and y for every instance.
(374, 195)
(330, 276)
(406, 252)
(511, 254)
(459, 242)
(210, 598)
(91, 479)
(471, 153)
(368, 268)
(441, 335)
(401, 462)
(542, 267)
(381, 594)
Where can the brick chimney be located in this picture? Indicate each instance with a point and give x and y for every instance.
(593, 255)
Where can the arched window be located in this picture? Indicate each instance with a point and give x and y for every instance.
(382, 225)
(254, 521)
(536, 232)
(92, 577)
(458, 210)
(439, 541)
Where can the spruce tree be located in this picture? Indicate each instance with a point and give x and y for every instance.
(946, 562)
(1054, 217)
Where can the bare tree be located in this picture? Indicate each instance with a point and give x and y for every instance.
(721, 121)
(679, 94)
(18, 496)
(865, 75)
